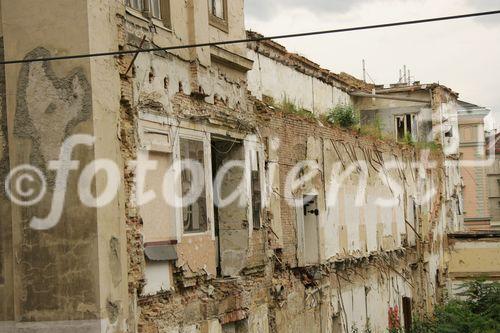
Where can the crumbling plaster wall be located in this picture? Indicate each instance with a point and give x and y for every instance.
(381, 112)
(371, 248)
(71, 276)
(271, 78)
(350, 232)
(236, 27)
(52, 284)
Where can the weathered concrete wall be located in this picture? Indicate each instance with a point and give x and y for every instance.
(272, 78)
(6, 274)
(369, 228)
(382, 112)
(49, 285)
(69, 277)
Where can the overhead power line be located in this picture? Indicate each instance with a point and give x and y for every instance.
(256, 39)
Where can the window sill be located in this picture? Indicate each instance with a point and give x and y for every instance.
(195, 234)
(219, 23)
(230, 59)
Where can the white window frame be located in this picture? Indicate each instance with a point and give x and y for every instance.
(207, 168)
(254, 151)
(413, 125)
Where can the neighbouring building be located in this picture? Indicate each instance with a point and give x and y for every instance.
(493, 174)
(475, 164)
(426, 116)
(362, 236)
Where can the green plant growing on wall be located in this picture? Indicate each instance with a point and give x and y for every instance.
(288, 106)
(408, 139)
(368, 326)
(344, 116)
(433, 146)
(374, 129)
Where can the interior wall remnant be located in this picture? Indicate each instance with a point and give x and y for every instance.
(231, 220)
(274, 199)
(157, 216)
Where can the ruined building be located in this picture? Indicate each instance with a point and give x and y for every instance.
(360, 240)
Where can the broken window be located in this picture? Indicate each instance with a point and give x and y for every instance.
(406, 127)
(195, 214)
(218, 8)
(231, 218)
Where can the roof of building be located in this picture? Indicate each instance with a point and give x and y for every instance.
(411, 87)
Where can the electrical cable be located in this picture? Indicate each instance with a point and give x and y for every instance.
(256, 39)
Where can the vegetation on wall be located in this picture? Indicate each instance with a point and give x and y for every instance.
(343, 115)
(289, 106)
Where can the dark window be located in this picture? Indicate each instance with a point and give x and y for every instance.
(405, 127)
(400, 127)
(407, 309)
(256, 198)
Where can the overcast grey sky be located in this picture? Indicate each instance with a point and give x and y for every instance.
(463, 55)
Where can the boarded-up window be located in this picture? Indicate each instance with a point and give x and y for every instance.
(195, 214)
